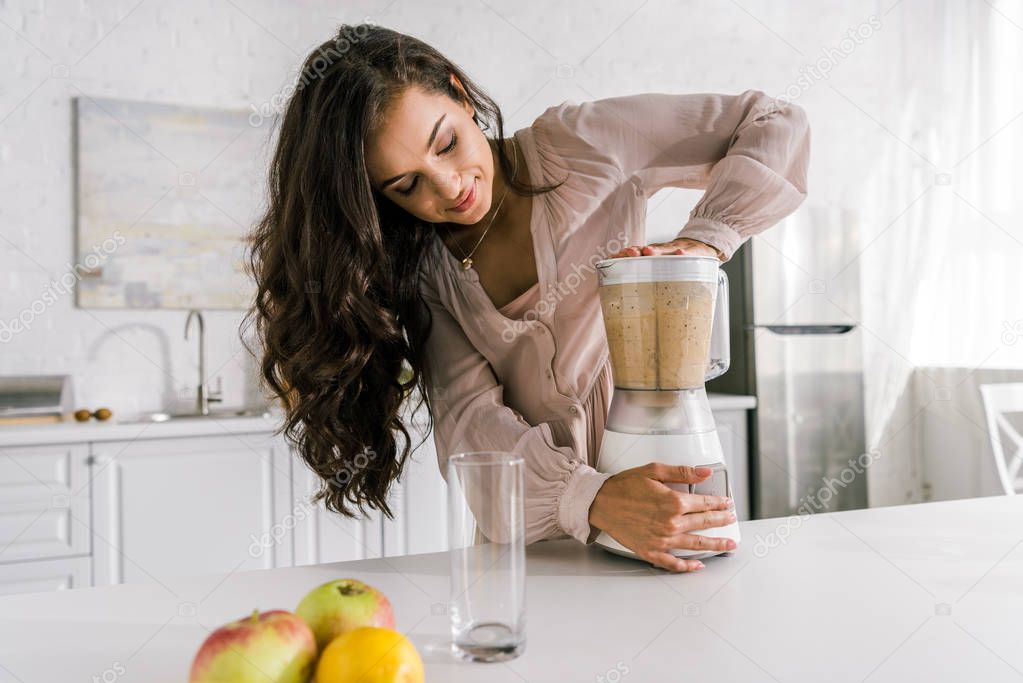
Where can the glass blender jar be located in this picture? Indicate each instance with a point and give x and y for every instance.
(666, 319)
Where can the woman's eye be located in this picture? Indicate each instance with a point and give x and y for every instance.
(451, 146)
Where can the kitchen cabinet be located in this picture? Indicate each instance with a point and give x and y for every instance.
(44, 501)
(732, 431)
(144, 502)
(95, 504)
(170, 507)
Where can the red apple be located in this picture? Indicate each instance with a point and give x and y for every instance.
(269, 647)
(344, 605)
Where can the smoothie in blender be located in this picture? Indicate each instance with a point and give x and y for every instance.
(659, 333)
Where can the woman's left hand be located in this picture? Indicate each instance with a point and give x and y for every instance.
(679, 245)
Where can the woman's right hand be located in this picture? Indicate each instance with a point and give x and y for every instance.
(649, 518)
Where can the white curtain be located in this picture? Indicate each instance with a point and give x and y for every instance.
(943, 272)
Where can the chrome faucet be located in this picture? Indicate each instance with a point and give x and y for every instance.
(203, 398)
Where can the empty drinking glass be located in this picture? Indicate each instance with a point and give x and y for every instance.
(486, 531)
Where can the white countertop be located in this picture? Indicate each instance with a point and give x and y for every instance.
(116, 430)
(930, 592)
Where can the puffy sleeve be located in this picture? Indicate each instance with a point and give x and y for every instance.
(749, 151)
(470, 415)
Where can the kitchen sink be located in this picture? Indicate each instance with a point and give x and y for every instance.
(215, 414)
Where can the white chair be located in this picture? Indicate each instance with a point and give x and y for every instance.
(999, 399)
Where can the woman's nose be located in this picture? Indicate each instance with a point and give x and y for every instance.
(448, 184)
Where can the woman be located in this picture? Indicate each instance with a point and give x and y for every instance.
(399, 236)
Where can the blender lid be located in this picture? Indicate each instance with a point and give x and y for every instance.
(658, 268)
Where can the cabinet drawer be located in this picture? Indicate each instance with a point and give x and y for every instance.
(44, 502)
(45, 575)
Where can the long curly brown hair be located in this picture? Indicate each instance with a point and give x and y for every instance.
(339, 319)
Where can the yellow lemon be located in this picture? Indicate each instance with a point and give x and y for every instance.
(370, 654)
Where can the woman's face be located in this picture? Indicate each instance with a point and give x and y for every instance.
(429, 155)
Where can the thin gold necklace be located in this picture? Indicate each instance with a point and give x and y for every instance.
(467, 258)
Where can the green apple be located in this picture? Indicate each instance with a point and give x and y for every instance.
(268, 647)
(343, 605)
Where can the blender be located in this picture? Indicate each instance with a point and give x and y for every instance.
(666, 318)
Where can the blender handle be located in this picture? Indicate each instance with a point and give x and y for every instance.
(720, 351)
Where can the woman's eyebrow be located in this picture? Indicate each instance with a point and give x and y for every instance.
(429, 144)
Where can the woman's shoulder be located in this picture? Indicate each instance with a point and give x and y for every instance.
(559, 124)
(569, 144)
(593, 120)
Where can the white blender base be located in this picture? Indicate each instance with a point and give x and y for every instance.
(620, 451)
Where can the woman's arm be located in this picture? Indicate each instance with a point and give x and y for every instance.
(470, 415)
(749, 151)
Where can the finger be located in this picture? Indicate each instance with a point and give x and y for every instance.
(698, 542)
(672, 563)
(626, 251)
(655, 249)
(706, 520)
(698, 502)
(681, 474)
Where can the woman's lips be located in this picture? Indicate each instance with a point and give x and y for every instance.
(469, 201)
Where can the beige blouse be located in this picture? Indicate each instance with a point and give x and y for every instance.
(534, 377)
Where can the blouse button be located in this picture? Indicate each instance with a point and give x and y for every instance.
(573, 410)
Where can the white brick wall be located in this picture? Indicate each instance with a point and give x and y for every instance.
(235, 53)
(202, 53)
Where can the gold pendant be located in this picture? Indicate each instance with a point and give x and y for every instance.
(466, 263)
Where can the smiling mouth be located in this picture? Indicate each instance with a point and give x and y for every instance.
(466, 196)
